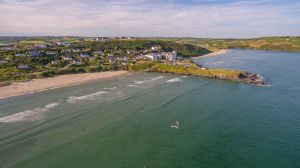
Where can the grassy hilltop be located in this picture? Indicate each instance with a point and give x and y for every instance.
(264, 43)
(187, 68)
(190, 68)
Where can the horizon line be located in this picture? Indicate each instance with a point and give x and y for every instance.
(295, 36)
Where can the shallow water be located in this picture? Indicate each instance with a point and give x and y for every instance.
(126, 122)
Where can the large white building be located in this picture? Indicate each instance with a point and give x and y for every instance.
(153, 56)
(170, 56)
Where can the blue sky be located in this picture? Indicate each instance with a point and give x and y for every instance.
(169, 18)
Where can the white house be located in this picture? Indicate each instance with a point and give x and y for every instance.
(111, 58)
(153, 56)
(68, 58)
(55, 62)
(97, 52)
(20, 55)
(131, 52)
(3, 61)
(34, 53)
(75, 50)
(154, 48)
(8, 47)
(24, 67)
(83, 55)
(41, 45)
(92, 58)
(63, 44)
(77, 62)
(51, 53)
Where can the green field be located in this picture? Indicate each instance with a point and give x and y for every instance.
(188, 69)
(263, 43)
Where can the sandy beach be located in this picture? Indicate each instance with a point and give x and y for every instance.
(35, 85)
(216, 53)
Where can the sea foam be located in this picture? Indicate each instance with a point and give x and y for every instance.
(174, 80)
(134, 86)
(74, 99)
(28, 114)
(112, 88)
(147, 80)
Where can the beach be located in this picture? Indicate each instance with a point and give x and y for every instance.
(20, 88)
(215, 53)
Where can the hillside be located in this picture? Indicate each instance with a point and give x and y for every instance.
(263, 43)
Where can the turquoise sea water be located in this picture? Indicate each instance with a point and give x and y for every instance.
(126, 121)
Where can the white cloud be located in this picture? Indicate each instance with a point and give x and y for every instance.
(145, 18)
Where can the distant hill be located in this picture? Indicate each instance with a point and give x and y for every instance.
(286, 43)
(186, 46)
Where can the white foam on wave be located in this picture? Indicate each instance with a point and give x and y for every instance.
(261, 77)
(174, 80)
(140, 82)
(112, 88)
(146, 81)
(75, 99)
(134, 86)
(156, 78)
(28, 114)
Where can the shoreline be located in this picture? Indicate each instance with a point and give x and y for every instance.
(38, 85)
(213, 54)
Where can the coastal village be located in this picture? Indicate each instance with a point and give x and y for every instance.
(63, 54)
(24, 59)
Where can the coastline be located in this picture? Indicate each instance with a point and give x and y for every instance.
(213, 54)
(37, 85)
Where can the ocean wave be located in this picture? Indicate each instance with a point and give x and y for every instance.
(219, 62)
(28, 114)
(174, 80)
(147, 80)
(134, 86)
(112, 88)
(156, 78)
(75, 99)
(140, 82)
